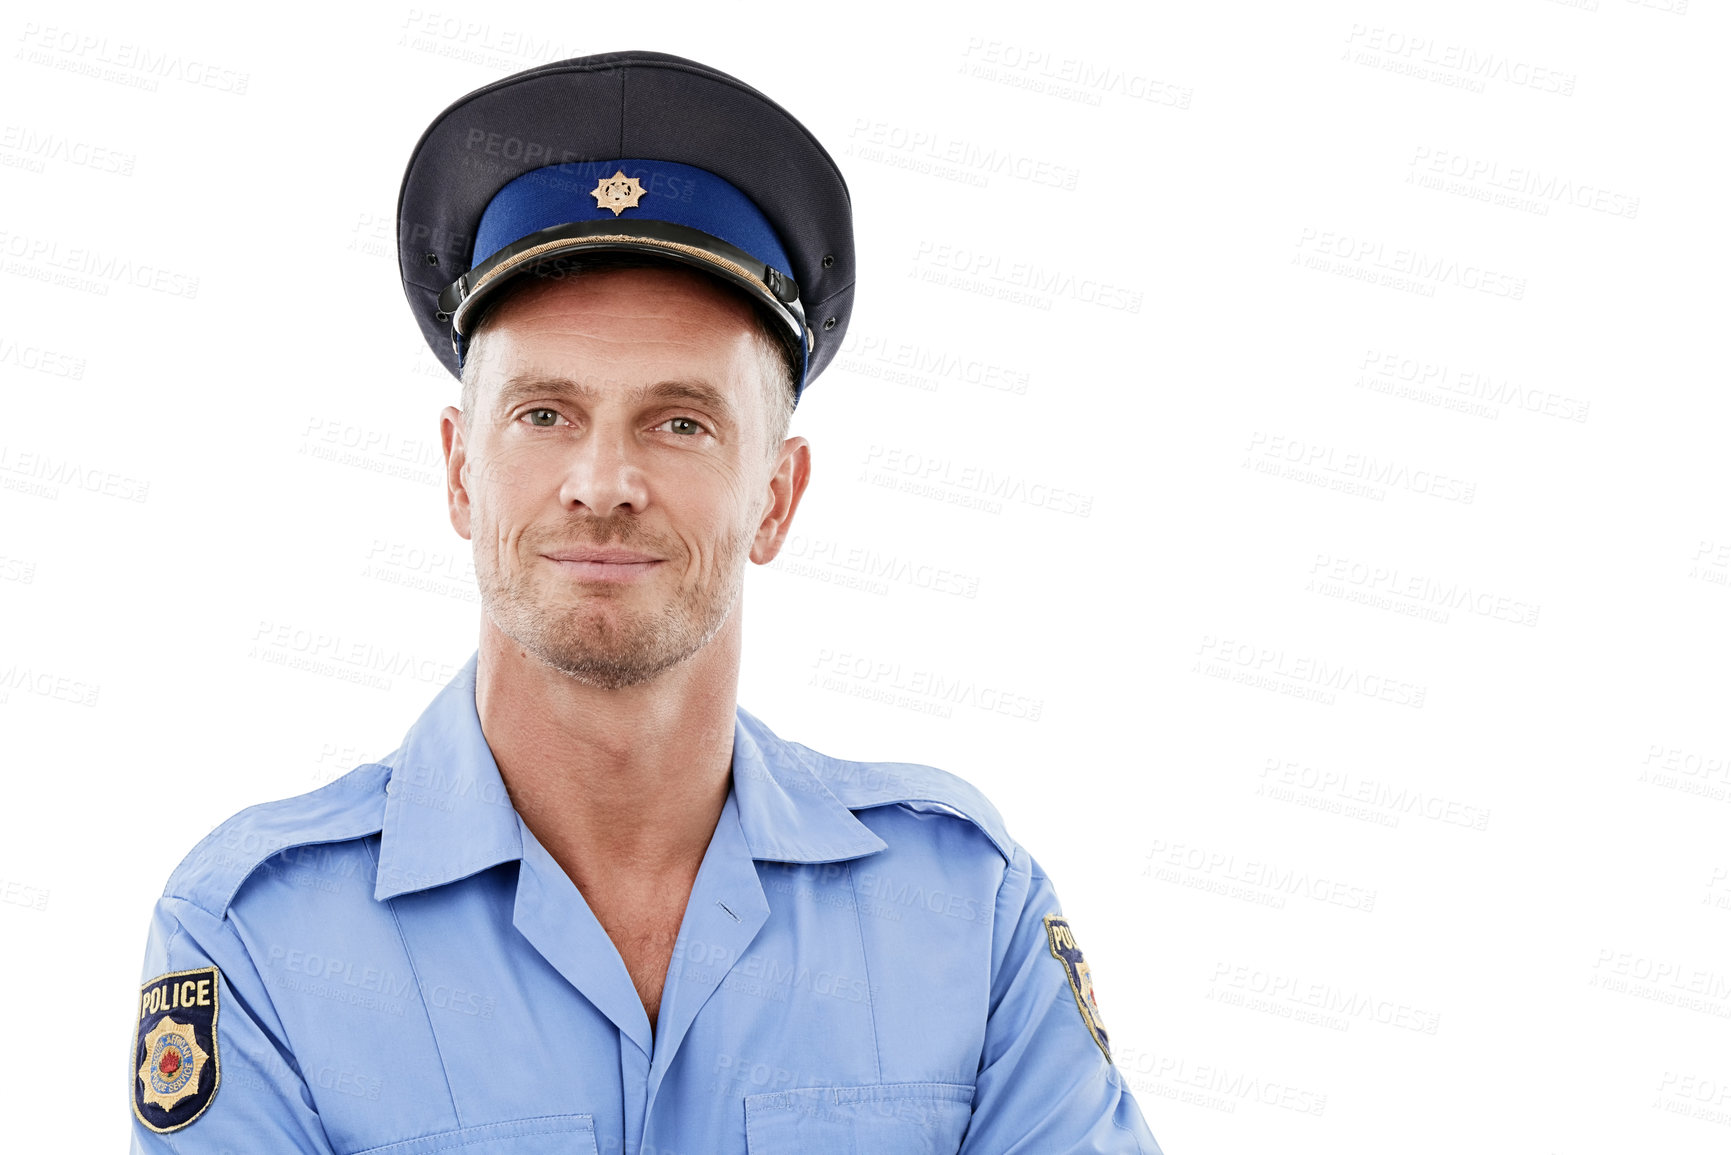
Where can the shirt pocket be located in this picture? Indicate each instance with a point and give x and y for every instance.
(545, 1135)
(888, 1119)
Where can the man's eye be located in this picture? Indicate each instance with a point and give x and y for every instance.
(684, 426)
(542, 417)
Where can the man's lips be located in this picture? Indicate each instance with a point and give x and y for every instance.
(605, 554)
(603, 563)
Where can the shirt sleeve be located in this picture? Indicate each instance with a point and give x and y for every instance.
(1045, 1083)
(255, 1098)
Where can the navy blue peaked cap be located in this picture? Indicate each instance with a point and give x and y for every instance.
(636, 152)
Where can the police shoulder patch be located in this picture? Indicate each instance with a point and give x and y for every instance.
(1065, 950)
(175, 1069)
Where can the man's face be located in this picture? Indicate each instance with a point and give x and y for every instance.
(614, 473)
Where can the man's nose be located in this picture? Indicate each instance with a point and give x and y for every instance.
(603, 474)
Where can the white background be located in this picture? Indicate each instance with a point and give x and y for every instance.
(1281, 447)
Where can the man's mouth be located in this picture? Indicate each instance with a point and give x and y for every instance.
(603, 563)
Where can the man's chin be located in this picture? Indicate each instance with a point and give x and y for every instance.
(607, 666)
(599, 650)
(608, 636)
(608, 676)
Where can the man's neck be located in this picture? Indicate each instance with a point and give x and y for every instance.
(615, 784)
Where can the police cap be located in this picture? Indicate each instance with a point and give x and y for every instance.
(626, 152)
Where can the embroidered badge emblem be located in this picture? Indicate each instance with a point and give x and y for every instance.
(175, 1070)
(618, 192)
(1065, 950)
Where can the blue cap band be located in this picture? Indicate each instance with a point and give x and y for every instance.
(675, 193)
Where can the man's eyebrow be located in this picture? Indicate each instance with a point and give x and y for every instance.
(693, 392)
(523, 388)
(696, 393)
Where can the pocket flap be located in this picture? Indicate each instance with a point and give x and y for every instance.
(543, 1135)
(892, 1118)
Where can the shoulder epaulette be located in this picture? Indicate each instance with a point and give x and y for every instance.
(865, 785)
(352, 806)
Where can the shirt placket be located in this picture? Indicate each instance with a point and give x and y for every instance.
(552, 915)
(726, 910)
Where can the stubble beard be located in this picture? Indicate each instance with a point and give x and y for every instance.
(590, 636)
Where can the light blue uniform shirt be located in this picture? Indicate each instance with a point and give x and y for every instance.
(864, 966)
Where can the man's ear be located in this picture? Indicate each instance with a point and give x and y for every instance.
(451, 435)
(786, 486)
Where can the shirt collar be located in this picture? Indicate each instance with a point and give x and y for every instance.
(448, 816)
(785, 810)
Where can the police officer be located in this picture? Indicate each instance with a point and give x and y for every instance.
(589, 904)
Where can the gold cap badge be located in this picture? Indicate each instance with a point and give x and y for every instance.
(618, 192)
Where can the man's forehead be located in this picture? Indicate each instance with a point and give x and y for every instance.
(631, 336)
(610, 292)
(637, 333)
